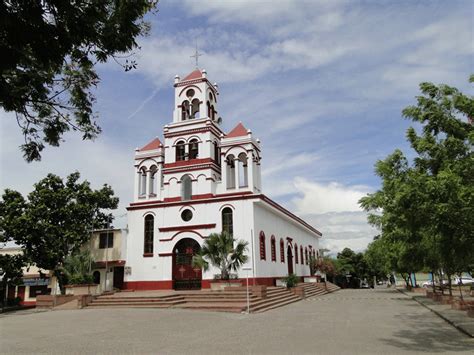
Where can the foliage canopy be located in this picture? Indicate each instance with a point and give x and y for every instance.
(49, 50)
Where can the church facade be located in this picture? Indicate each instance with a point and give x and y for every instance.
(201, 180)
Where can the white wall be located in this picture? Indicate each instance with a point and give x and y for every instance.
(271, 222)
(159, 268)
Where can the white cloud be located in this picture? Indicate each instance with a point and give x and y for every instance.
(100, 162)
(322, 198)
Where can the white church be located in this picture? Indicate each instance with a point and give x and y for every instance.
(202, 180)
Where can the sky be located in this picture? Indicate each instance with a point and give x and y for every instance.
(321, 83)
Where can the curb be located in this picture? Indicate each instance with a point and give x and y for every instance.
(461, 329)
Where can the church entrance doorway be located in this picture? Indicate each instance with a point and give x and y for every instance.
(289, 257)
(185, 277)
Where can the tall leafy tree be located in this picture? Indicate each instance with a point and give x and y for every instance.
(55, 219)
(49, 51)
(426, 210)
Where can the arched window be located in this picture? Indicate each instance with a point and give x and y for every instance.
(243, 179)
(230, 172)
(217, 154)
(180, 151)
(227, 221)
(152, 185)
(213, 113)
(306, 255)
(193, 148)
(96, 277)
(195, 108)
(186, 188)
(296, 253)
(273, 247)
(142, 182)
(302, 255)
(262, 246)
(208, 109)
(282, 250)
(185, 110)
(149, 225)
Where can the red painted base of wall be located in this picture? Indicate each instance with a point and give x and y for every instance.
(148, 285)
(205, 284)
(28, 303)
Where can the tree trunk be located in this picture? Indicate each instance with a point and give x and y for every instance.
(449, 285)
(433, 281)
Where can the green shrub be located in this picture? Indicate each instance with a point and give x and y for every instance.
(291, 280)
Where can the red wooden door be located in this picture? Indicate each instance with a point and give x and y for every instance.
(290, 260)
(185, 276)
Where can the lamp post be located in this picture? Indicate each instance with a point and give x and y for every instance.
(248, 296)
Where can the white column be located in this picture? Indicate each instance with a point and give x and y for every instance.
(136, 188)
(224, 173)
(147, 182)
(250, 172)
(237, 170)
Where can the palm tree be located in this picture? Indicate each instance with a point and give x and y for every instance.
(219, 250)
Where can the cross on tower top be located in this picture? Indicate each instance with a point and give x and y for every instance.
(196, 56)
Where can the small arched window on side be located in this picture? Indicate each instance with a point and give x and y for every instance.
(296, 253)
(273, 248)
(186, 188)
(227, 221)
(263, 255)
(302, 255)
(152, 184)
(142, 182)
(185, 110)
(217, 154)
(306, 255)
(230, 166)
(148, 235)
(180, 151)
(213, 113)
(208, 109)
(195, 108)
(243, 177)
(282, 250)
(193, 148)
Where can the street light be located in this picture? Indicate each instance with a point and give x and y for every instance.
(248, 297)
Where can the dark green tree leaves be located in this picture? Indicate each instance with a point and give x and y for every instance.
(425, 210)
(56, 219)
(49, 50)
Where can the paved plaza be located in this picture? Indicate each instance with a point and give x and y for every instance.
(346, 322)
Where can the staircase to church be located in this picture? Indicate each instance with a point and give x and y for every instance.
(117, 300)
(225, 301)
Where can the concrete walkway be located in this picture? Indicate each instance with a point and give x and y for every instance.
(344, 322)
(458, 319)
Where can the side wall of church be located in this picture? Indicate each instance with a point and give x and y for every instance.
(270, 223)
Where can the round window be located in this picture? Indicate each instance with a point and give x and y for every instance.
(186, 215)
(190, 93)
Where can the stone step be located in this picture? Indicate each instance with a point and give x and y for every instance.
(273, 305)
(222, 307)
(130, 305)
(140, 297)
(229, 297)
(273, 298)
(215, 300)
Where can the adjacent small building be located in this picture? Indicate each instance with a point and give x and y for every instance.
(32, 284)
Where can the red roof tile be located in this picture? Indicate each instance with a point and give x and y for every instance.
(196, 74)
(154, 144)
(238, 131)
